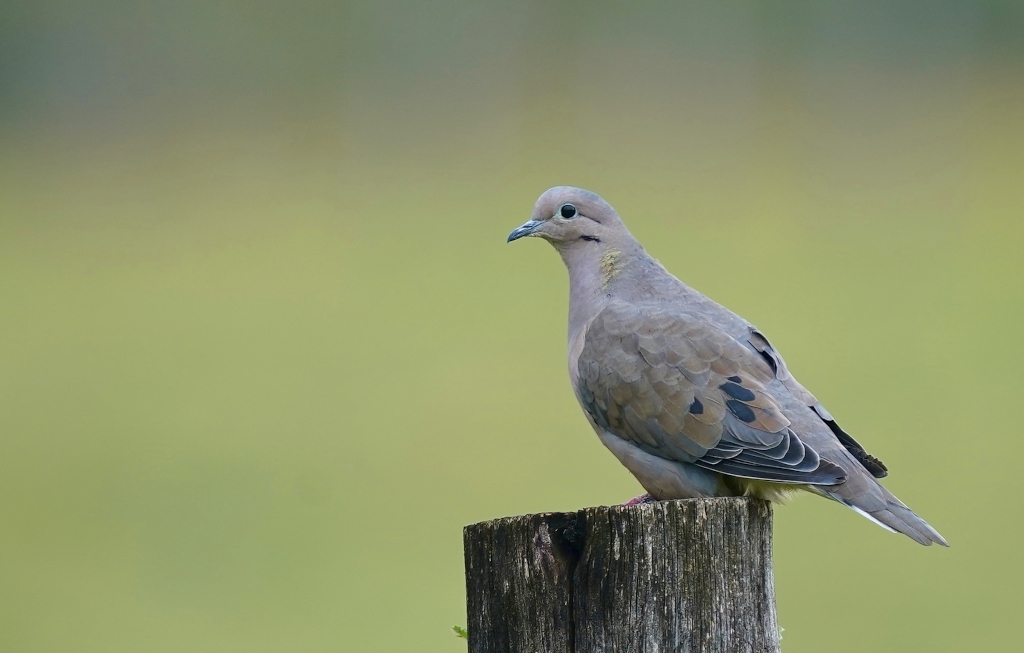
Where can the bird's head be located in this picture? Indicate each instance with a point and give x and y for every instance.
(572, 218)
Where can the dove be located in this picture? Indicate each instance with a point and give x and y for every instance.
(690, 397)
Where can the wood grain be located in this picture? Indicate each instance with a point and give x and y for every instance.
(692, 575)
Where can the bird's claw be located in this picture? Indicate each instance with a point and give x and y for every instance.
(640, 500)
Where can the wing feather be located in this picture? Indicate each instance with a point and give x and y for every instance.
(682, 389)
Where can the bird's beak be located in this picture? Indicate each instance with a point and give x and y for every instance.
(527, 229)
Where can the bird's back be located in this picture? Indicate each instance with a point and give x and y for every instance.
(647, 283)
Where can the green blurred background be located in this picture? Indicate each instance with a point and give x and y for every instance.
(264, 351)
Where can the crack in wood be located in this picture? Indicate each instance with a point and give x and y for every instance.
(692, 575)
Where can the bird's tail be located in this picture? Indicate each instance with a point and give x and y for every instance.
(888, 512)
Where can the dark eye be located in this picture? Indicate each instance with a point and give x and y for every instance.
(567, 211)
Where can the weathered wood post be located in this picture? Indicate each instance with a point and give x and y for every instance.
(693, 575)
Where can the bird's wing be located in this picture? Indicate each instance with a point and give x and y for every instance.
(759, 343)
(685, 390)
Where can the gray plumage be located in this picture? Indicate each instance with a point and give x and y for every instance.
(689, 396)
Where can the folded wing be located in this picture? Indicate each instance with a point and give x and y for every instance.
(682, 389)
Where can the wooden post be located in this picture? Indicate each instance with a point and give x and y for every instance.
(692, 575)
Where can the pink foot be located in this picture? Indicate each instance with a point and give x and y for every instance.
(643, 498)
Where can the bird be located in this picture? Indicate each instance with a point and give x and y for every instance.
(690, 397)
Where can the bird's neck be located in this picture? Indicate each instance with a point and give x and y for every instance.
(597, 274)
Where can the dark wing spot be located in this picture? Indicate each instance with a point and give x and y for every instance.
(741, 410)
(875, 466)
(735, 379)
(768, 358)
(737, 392)
(696, 407)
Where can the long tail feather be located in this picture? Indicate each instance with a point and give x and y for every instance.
(894, 516)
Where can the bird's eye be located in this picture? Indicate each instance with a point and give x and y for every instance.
(567, 211)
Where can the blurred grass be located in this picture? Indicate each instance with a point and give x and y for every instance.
(264, 351)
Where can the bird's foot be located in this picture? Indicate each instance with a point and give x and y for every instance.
(642, 499)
